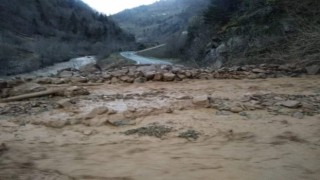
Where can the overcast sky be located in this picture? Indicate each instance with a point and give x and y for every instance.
(113, 6)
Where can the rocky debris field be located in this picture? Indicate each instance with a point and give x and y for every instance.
(141, 73)
(162, 122)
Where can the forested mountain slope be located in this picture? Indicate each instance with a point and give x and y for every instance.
(36, 33)
(155, 23)
(233, 32)
(229, 32)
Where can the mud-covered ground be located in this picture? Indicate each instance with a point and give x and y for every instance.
(191, 129)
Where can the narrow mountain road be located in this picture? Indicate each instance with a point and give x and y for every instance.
(152, 48)
(142, 60)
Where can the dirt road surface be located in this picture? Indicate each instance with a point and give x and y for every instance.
(142, 60)
(192, 129)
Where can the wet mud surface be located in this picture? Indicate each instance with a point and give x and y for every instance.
(191, 129)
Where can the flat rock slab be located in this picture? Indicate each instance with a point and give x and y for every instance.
(201, 100)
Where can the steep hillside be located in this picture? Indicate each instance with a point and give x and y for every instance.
(234, 32)
(36, 33)
(230, 32)
(156, 22)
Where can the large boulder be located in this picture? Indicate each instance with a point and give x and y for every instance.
(168, 76)
(313, 70)
(149, 74)
(166, 67)
(201, 100)
(140, 80)
(158, 76)
(90, 68)
(107, 76)
(188, 74)
(176, 70)
(127, 79)
(114, 80)
(119, 73)
(181, 76)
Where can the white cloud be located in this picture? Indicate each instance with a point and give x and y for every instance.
(114, 6)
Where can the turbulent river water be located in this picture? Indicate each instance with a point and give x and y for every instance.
(75, 63)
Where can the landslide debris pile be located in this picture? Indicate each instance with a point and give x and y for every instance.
(69, 88)
(143, 73)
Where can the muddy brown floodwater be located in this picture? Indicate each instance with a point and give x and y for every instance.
(248, 129)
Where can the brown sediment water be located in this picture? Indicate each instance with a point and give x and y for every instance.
(170, 137)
